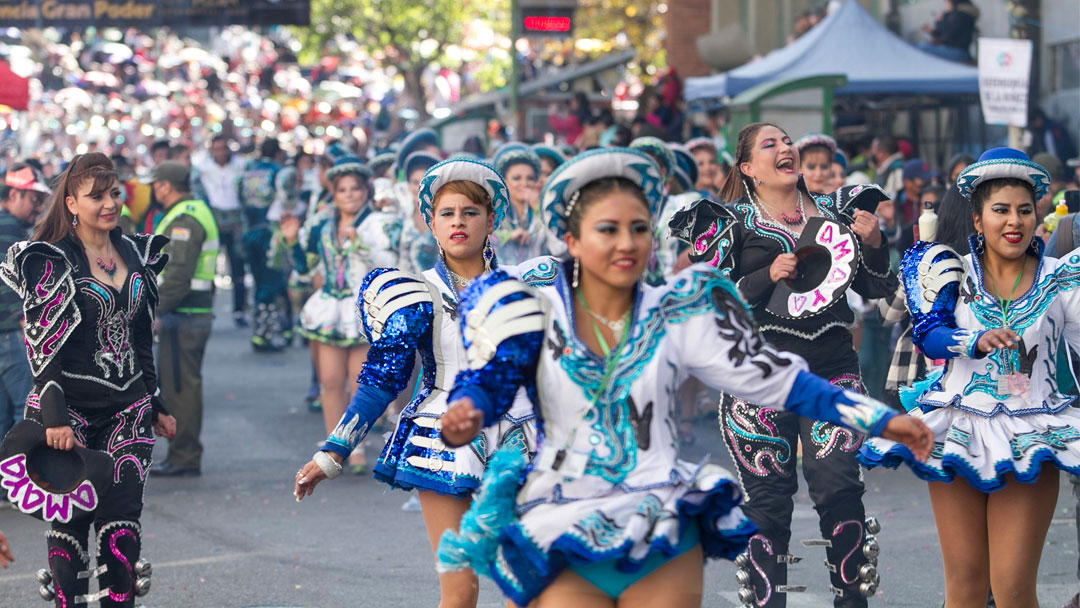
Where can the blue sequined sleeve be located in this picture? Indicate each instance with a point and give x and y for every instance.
(932, 275)
(502, 355)
(390, 359)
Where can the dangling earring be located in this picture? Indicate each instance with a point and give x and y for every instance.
(980, 244)
(757, 182)
(489, 254)
(442, 255)
(74, 221)
(577, 273)
(1034, 246)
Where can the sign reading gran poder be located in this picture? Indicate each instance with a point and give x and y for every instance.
(151, 13)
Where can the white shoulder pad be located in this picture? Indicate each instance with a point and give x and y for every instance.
(486, 327)
(934, 276)
(380, 301)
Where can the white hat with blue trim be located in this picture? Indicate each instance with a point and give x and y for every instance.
(561, 190)
(464, 169)
(1000, 163)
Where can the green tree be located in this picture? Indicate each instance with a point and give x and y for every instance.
(637, 24)
(405, 34)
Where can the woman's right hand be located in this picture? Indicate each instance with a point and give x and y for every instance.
(783, 267)
(461, 423)
(997, 339)
(309, 476)
(290, 228)
(61, 438)
(5, 552)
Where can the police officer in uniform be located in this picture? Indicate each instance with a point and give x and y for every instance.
(186, 291)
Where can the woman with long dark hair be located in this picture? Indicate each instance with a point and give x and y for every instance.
(607, 515)
(754, 239)
(89, 297)
(1002, 430)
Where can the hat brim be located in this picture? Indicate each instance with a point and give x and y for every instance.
(51, 484)
(815, 288)
(465, 169)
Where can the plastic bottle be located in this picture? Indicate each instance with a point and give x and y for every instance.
(927, 223)
(1051, 221)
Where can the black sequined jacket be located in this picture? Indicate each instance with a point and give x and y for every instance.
(90, 345)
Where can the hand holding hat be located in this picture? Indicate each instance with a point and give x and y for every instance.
(61, 438)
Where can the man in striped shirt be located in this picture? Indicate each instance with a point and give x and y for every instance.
(22, 196)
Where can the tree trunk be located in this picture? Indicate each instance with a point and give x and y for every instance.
(414, 89)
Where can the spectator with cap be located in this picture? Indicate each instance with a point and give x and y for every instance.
(23, 195)
(184, 313)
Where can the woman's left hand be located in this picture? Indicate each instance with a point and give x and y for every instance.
(911, 432)
(165, 426)
(866, 227)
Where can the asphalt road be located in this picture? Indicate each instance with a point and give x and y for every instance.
(235, 537)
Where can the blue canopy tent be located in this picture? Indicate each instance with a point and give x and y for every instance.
(851, 42)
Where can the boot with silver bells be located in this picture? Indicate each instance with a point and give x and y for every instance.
(761, 573)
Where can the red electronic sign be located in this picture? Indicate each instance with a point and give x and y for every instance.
(547, 24)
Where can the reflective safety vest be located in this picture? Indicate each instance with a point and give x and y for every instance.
(200, 298)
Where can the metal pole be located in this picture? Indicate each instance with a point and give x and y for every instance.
(515, 72)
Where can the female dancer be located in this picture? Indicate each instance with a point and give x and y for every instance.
(418, 247)
(463, 201)
(817, 153)
(1002, 430)
(522, 236)
(89, 338)
(607, 514)
(347, 244)
(754, 240)
(550, 159)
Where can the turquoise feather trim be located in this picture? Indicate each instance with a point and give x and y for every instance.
(475, 543)
(909, 395)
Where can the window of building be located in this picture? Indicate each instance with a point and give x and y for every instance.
(1065, 66)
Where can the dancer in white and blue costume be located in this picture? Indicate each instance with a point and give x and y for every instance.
(404, 314)
(1001, 429)
(607, 513)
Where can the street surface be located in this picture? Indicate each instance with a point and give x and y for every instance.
(236, 537)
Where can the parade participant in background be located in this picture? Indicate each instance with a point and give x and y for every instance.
(816, 155)
(608, 514)
(765, 241)
(956, 164)
(346, 246)
(521, 237)
(418, 247)
(1002, 431)
(89, 296)
(660, 264)
(708, 162)
(550, 159)
(219, 178)
(159, 152)
(405, 314)
(839, 172)
(421, 140)
(257, 193)
(23, 194)
(185, 312)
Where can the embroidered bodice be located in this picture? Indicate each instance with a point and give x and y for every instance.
(951, 308)
(87, 341)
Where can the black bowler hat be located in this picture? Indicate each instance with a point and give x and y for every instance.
(828, 256)
(48, 483)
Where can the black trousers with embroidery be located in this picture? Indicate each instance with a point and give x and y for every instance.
(763, 444)
(124, 431)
